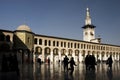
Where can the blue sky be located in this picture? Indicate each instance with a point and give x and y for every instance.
(63, 18)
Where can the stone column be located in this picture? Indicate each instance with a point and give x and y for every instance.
(80, 57)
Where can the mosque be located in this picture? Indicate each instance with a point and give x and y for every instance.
(30, 46)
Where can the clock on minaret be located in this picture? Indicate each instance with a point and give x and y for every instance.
(91, 34)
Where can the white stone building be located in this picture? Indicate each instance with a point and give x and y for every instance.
(30, 46)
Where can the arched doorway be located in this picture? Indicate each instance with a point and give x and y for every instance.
(70, 52)
(83, 55)
(102, 56)
(24, 55)
(63, 53)
(47, 54)
(77, 55)
(55, 55)
(38, 53)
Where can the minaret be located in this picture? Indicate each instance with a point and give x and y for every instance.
(88, 28)
(88, 19)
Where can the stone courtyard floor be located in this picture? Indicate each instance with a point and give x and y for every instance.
(56, 72)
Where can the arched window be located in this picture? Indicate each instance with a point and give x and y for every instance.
(61, 44)
(63, 51)
(47, 51)
(49, 43)
(70, 52)
(57, 43)
(68, 45)
(55, 51)
(45, 42)
(40, 41)
(53, 43)
(8, 38)
(35, 41)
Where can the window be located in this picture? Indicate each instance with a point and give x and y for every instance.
(78, 45)
(64, 44)
(68, 45)
(45, 42)
(57, 43)
(61, 44)
(81, 46)
(53, 43)
(71, 45)
(75, 45)
(49, 43)
(35, 41)
(40, 41)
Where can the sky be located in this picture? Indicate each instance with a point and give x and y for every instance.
(63, 18)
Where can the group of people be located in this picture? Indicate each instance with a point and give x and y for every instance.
(90, 62)
(71, 62)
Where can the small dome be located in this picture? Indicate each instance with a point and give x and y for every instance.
(24, 27)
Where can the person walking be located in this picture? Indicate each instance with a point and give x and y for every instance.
(93, 62)
(72, 64)
(65, 61)
(87, 62)
(109, 62)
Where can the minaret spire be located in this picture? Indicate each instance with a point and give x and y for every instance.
(88, 19)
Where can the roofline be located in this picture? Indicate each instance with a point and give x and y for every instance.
(6, 30)
(23, 31)
(75, 40)
(59, 37)
(90, 26)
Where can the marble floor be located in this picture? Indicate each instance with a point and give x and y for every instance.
(56, 72)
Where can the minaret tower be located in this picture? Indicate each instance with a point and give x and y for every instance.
(88, 28)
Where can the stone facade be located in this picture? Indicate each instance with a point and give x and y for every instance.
(30, 46)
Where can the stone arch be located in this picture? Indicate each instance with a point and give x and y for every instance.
(76, 55)
(89, 52)
(70, 51)
(55, 51)
(83, 55)
(77, 52)
(107, 54)
(102, 55)
(116, 56)
(113, 54)
(63, 52)
(47, 52)
(24, 55)
(98, 56)
(56, 55)
(8, 38)
(38, 50)
(93, 52)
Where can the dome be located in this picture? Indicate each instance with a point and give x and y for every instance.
(24, 27)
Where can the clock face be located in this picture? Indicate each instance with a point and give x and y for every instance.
(86, 33)
(91, 34)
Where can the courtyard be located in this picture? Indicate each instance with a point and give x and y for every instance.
(55, 71)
